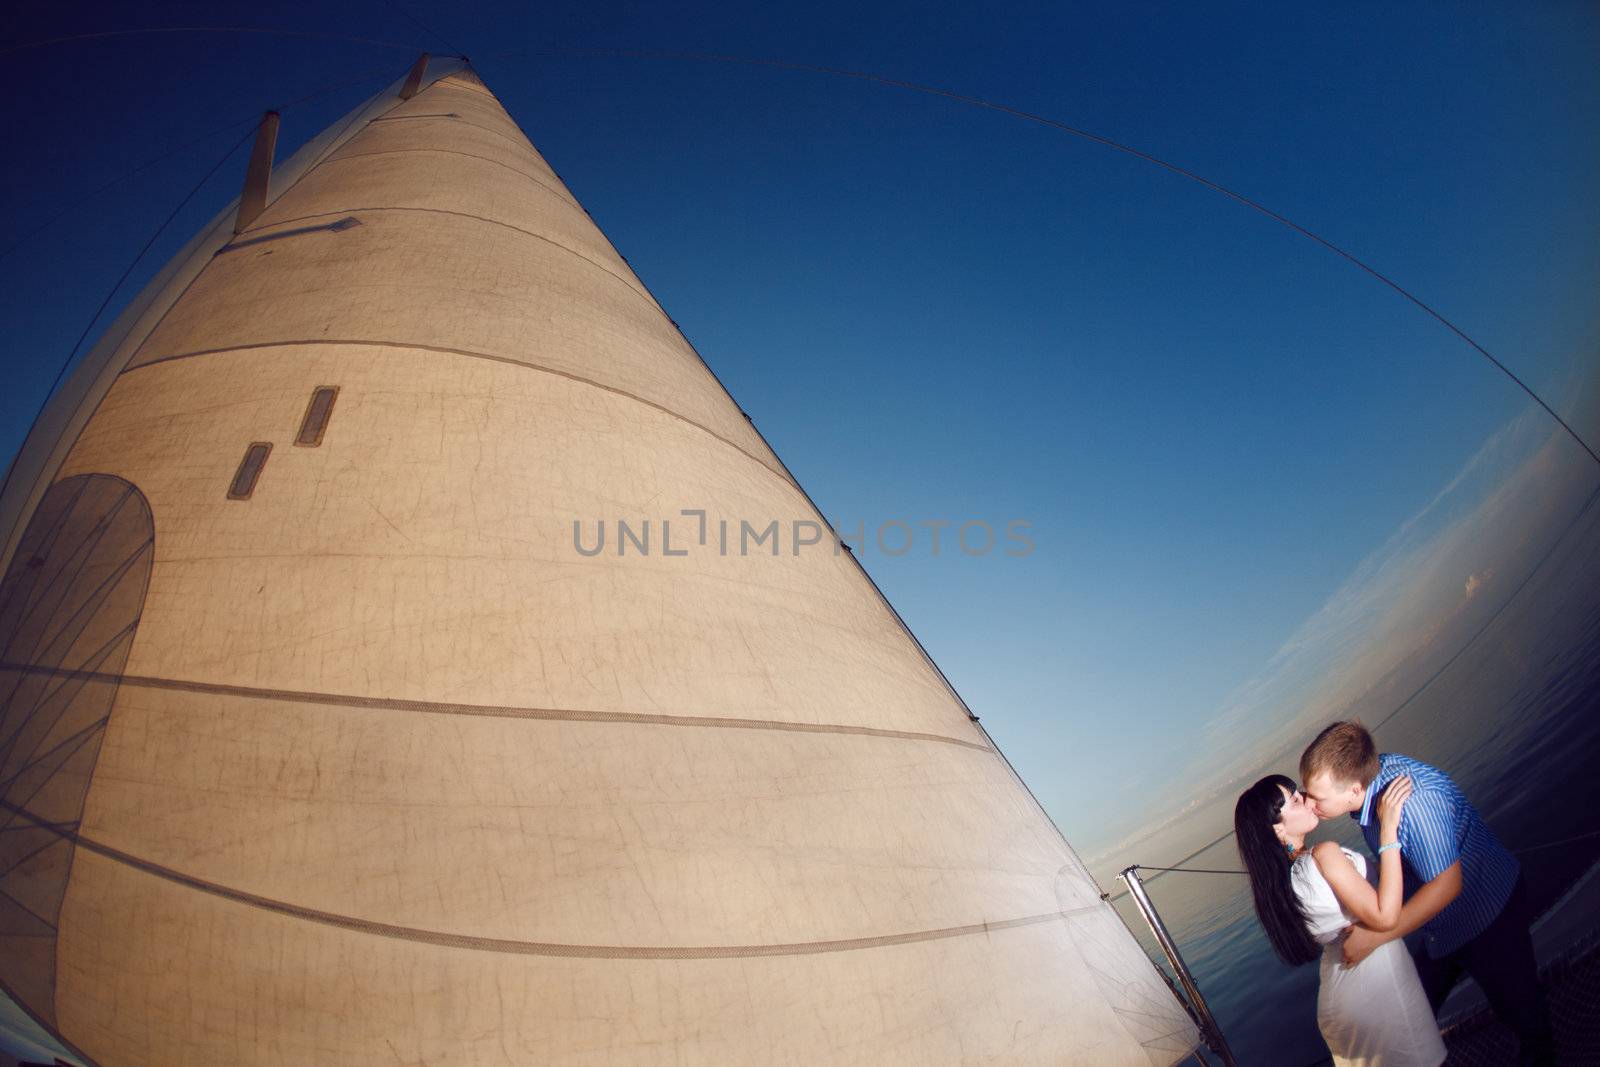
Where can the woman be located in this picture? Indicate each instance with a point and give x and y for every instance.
(1371, 1015)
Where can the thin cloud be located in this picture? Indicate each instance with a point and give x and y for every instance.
(1384, 617)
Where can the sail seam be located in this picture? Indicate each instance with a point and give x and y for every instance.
(518, 947)
(496, 711)
(338, 141)
(464, 215)
(564, 195)
(490, 357)
(523, 144)
(512, 946)
(446, 83)
(641, 290)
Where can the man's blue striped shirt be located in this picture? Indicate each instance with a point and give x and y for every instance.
(1438, 826)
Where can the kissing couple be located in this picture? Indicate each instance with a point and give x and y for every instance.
(1441, 874)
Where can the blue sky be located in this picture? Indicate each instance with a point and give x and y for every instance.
(1216, 429)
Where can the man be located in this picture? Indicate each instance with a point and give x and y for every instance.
(1464, 891)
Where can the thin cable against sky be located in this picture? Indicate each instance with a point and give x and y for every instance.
(252, 118)
(419, 24)
(66, 364)
(306, 34)
(1099, 139)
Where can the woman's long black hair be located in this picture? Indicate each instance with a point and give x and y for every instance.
(1259, 809)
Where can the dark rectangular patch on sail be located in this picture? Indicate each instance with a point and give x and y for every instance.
(315, 423)
(244, 480)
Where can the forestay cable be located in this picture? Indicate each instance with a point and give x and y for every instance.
(1099, 139)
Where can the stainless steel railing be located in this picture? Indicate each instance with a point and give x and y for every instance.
(1210, 1032)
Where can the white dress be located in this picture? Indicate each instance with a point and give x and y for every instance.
(1374, 1014)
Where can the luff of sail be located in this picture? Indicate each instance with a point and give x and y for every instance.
(323, 743)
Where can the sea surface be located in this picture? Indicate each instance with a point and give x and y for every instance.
(1515, 719)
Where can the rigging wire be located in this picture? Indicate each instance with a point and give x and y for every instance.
(419, 24)
(135, 261)
(305, 34)
(1108, 142)
(980, 102)
(71, 355)
(121, 178)
(253, 118)
(1515, 852)
(1075, 131)
(1174, 168)
(1532, 573)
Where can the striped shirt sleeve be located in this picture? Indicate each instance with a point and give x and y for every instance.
(1427, 833)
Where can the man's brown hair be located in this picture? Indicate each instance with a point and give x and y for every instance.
(1345, 751)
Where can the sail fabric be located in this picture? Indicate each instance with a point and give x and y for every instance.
(392, 764)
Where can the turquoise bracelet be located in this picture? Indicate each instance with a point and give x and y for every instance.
(1386, 848)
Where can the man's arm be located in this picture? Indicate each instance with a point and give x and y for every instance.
(1428, 847)
(1424, 904)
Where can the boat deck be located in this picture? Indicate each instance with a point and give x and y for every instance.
(1572, 988)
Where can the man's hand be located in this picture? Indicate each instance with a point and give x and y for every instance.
(1424, 904)
(1359, 943)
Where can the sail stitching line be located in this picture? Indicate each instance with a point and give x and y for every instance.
(459, 214)
(133, 351)
(785, 475)
(508, 360)
(643, 292)
(449, 81)
(636, 289)
(523, 144)
(486, 710)
(339, 141)
(341, 156)
(513, 946)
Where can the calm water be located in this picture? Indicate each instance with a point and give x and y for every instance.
(1516, 721)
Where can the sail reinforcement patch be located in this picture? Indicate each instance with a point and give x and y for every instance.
(244, 479)
(315, 423)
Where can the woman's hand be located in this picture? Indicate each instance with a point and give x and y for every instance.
(1389, 805)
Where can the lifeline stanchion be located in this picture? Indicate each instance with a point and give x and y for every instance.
(1210, 1032)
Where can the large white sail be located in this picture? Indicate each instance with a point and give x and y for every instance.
(327, 741)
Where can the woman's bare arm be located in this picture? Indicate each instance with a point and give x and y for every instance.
(1377, 909)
